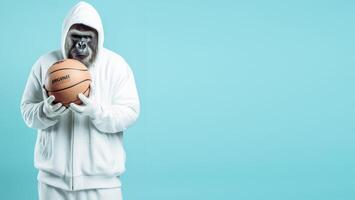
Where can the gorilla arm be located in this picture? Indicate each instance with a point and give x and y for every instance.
(32, 102)
(122, 112)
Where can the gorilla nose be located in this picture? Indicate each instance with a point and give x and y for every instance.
(81, 45)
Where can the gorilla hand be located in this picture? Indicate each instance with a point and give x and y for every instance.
(52, 111)
(90, 107)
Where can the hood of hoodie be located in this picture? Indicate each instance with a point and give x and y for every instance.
(83, 13)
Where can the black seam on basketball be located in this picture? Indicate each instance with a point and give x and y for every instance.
(68, 102)
(68, 68)
(59, 61)
(86, 89)
(70, 86)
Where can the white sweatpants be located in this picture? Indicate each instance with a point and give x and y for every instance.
(48, 192)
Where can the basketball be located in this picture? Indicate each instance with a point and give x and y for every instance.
(67, 78)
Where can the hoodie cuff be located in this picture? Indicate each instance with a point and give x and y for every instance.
(96, 116)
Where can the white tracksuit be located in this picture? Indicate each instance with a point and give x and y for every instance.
(74, 152)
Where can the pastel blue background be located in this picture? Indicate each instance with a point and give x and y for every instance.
(240, 99)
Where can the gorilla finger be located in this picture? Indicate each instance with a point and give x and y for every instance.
(56, 106)
(50, 99)
(44, 93)
(65, 110)
(84, 99)
(60, 110)
(76, 108)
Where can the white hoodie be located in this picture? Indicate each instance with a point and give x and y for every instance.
(74, 152)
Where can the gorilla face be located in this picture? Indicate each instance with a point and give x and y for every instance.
(81, 43)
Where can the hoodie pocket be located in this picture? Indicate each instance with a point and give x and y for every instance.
(117, 153)
(45, 145)
(105, 155)
(100, 155)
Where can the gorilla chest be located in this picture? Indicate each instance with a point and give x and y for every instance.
(103, 85)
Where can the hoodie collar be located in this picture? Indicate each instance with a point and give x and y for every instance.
(83, 13)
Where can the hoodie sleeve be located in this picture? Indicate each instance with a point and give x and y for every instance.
(32, 101)
(124, 109)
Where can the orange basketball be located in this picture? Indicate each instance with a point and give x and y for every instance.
(67, 78)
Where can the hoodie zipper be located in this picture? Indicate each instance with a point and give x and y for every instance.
(72, 153)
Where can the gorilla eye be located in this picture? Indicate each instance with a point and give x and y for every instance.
(75, 36)
(78, 37)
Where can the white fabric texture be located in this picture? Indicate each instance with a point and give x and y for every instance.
(72, 151)
(47, 192)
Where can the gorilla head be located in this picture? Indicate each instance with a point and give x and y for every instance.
(81, 43)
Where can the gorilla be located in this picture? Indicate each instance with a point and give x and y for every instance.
(81, 43)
